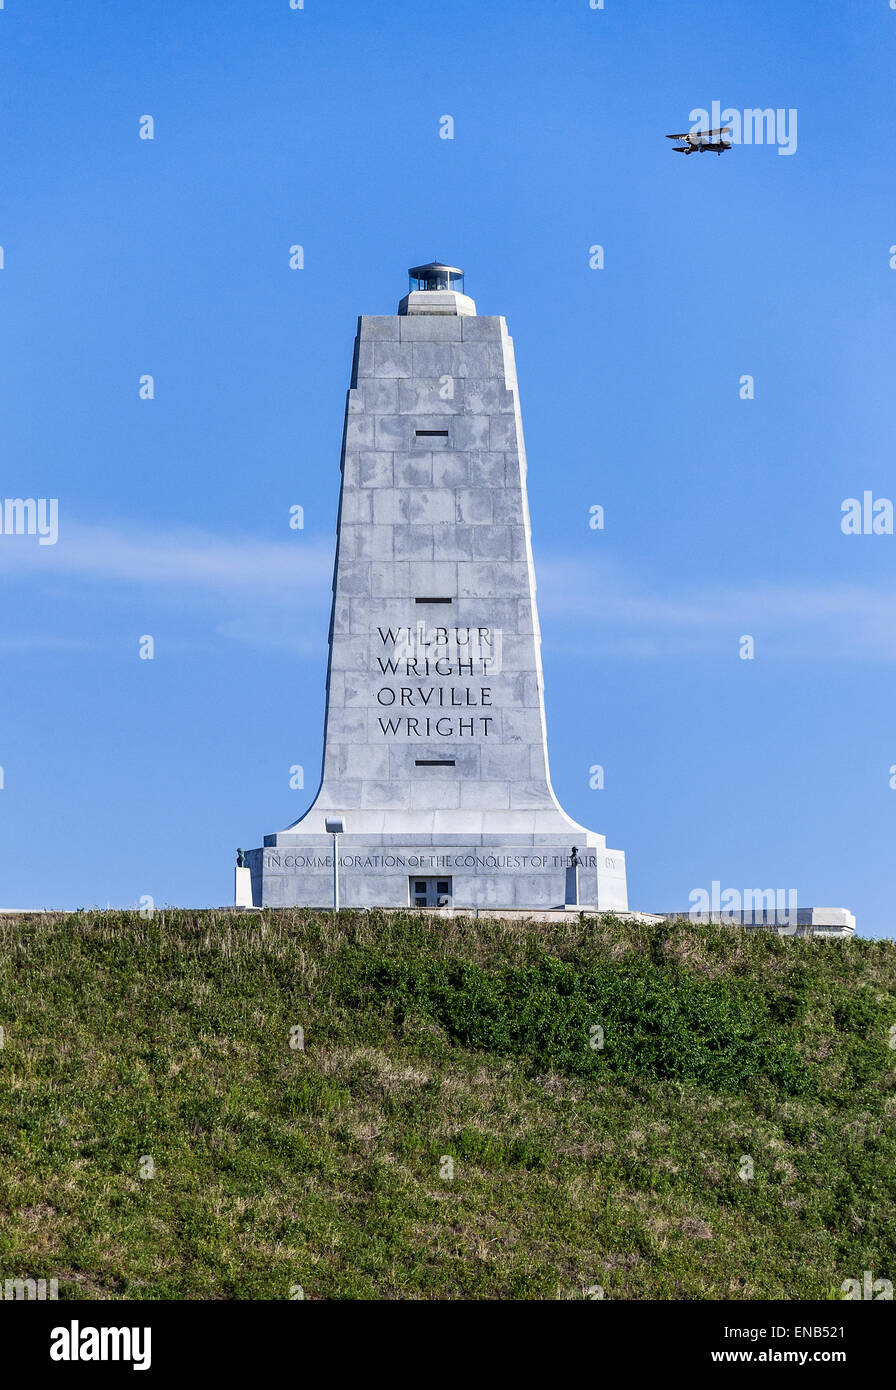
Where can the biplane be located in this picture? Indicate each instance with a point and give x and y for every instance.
(702, 141)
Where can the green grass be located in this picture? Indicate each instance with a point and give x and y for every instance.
(427, 1040)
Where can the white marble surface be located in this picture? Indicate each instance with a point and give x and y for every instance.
(433, 506)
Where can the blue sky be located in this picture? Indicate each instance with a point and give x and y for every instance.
(125, 778)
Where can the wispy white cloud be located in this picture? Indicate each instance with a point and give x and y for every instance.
(806, 620)
(193, 558)
(267, 584)
(260, 593)
(42, 642)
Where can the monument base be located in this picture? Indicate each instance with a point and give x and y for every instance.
(464, 872)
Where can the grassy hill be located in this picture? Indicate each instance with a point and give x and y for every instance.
(575, 1165)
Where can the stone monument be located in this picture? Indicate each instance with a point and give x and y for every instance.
(435, 788)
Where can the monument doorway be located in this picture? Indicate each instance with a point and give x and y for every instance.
(431, 892)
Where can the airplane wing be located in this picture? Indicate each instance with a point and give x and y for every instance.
(699, 134)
